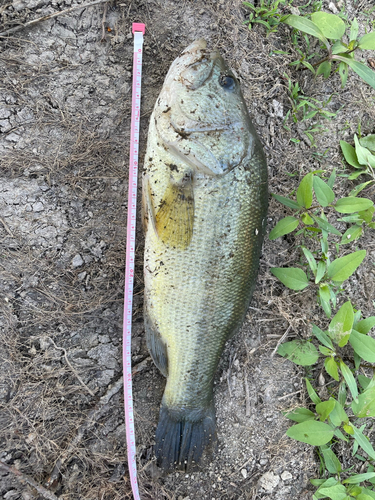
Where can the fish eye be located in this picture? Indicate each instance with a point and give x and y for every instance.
(227, 82)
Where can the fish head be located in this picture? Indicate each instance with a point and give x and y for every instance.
(203, 116)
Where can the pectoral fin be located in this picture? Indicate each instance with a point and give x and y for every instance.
(174, 219)
(148, 212)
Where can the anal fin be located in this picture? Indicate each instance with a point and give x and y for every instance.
(156, 346)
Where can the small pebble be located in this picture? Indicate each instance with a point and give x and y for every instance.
(269, 481)
(38, 207)
(77, 261)
(286, 476)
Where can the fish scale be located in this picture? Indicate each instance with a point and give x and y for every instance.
(204, 232)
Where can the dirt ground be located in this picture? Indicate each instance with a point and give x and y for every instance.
(65, 94)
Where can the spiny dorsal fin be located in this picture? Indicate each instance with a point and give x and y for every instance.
(174, 219)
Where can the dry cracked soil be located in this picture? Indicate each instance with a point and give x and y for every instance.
(65, 104)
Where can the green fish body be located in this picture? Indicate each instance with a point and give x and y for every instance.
(204, 204)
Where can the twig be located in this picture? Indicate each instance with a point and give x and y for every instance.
(281, 340)
(140, 366)
(50, 16)
(27, 479)
(103, 23)
(6, 227)
(92, 417)
(287, 395)
(247, 393)
(71, 367)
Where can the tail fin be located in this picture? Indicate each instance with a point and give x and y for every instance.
(183, 436)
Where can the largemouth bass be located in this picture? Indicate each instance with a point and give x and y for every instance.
(204, 204)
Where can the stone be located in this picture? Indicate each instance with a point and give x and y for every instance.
(269, 481)
(77, 261)
(38, 206)
(286, 475)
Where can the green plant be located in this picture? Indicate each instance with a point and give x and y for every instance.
(361, 156)
(325, 27)
(311, 220)
(303, 107)
(340, 418)
(345, 348)
(267, 14)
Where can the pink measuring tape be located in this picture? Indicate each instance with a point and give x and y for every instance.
(138, 30)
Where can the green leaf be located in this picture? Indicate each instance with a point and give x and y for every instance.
(343, 72)
(361, 69)
(366, 215)
(322, 337)
(343, 267)
(309, 66)
(323, 192)
(300, 352)
(306, 219)
(363, 154)
(325, 408)
(364, 345)
(332, 178)
(341, 397)
(363, 442)
(351, 204)
(304, 191)
(332, 27)
(311, 392)
(326, 306)
(358, 189)
(359, 478)
(337, 492)
(332, 463)
(321, 271)
(286, 201)
(349, 379)
(368, 142)
(366, 495)
(349, 154)
(305, 25)
(319, 482)
(331, 368)
(311, 432)
(325, 351)
(365, 325)
(300, 415)
(292, 277)
(348, 429)
(351, 234)
(310, 259)
(364, 381)
(366, 404)
(324, 69)
(354, 30)
(367, 42)
(338, 47)
(341, 325)
(356, 174)
(324, 482)
(284, 226)
(338, 415)
(323, 224)
(324, 292)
